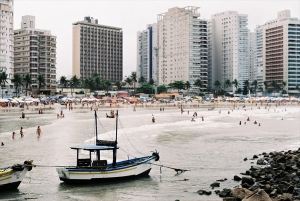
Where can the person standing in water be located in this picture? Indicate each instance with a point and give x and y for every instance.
(13, 135)
(38, 131)
(21, 132)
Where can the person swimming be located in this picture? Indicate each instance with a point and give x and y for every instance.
(255, 122)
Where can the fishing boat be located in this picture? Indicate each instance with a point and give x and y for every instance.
(11, 177)
(97, 169)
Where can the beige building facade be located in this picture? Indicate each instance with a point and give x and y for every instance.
(182, 46)
(97, 49)
(35, 55)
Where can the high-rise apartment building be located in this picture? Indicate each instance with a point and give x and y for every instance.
(97, 49)
(229, 46)
(252, 57)
(147, 53)
(6, 45)
(280, 55)
(182, 47)
(259, 57)
(35, 55)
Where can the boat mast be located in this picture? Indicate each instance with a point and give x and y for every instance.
(98, 151)
(116, 142)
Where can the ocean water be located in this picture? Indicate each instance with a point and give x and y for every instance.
(211, 149)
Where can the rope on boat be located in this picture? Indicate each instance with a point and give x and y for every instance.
(178, 171)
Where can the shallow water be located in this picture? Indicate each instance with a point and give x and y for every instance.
(211, 149)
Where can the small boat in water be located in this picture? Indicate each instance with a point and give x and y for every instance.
(11, 177)
(89, 170)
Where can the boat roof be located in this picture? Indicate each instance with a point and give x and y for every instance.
(94, 147)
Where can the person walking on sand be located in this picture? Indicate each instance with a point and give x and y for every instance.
(153, 120)
(13, 135)
(21, 132)
(2, 144)
(38, 131)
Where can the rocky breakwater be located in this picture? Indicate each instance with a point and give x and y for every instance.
(275, 177)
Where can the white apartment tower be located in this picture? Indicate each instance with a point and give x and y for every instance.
(6, 45)
(35, 55)
(182, 47)
(252, 57)
(147, 53)
(229, 46)
(281, 50)
(259, 57)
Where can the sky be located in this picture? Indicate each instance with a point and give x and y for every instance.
(132, 16)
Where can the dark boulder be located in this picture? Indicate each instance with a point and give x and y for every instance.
(215, 184)
(225, 192)
(248, 180)
(237, 178)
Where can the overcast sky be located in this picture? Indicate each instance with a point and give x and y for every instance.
(131, 16)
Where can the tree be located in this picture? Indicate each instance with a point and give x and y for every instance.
(151, 82)
(266, 84)
(88, 83)
(187, 85)
(255, 85)
(134, 80)
(283, 85)
(142, 80)
(198, 83)
(63, 82)
(235, 83)
(227, 84)
(74, 82)
(17, 80)
(146, 88)
(162, 88)
(41, 82)
(217, 85)
(118, 85)
(107, 85)
(298, 88)
(246, 87)
(274, 85)
(128, 80)
(3, 80)
(28, 82)
(177, 85)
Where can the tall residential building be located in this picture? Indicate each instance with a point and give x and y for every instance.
(259, 58)
(97, 49)
(182, 47)
(147, 53)
(281, 42)
(6, 45)
(229, 43)
(35, 55)
(252, 57)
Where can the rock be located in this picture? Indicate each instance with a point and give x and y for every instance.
(240, 193)
(247, 180)
(237, 178)
(286, 197)
(217, 192)
(230, 199)
(268, 188)
(258, 195)
(260, 162)
(245, 159)
(221, 180)
(207, 192)
(290, 189)
(255, 156)
(215, 184)
(200, 192)
(225, 192)
(204, 192)
(273, 193)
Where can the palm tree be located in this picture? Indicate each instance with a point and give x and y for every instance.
(107, 85)
(255, 85)
(217, 85)
(74, 82)
(283, 85)
(63, 82)
(227, 84)
(274, 85)
(41, 80)
(198, 83)
(28, 82)
(151, 82)
(118, 84)
(128, 80)
(134, 80)
(142, 80)
(3, 80)
(17, 80)
(235, 83)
